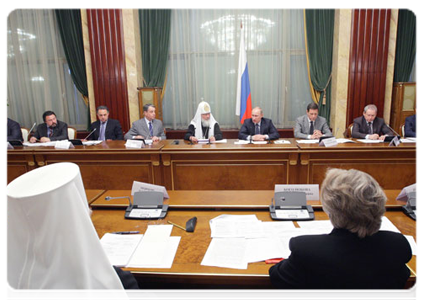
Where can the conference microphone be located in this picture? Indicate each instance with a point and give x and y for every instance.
(392, 130)
(90, 133)
(108, 198)
(32, 128)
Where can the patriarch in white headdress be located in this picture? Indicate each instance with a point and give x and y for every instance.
(203, 118)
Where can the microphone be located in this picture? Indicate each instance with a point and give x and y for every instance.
(35, 123)
(392, 129)
(108, 198)
(90, 133)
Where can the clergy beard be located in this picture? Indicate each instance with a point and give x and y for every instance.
(205, 123)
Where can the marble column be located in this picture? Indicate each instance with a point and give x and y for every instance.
(131, 32)
(340, 68)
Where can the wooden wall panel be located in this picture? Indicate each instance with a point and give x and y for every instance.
(368, 60)
(108, 62)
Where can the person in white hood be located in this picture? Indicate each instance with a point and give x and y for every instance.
(203, 126)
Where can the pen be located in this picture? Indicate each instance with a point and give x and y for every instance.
(126, 232)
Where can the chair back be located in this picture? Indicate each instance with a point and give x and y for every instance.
(25, 134)
(71, 133)
(402, 130)
(348, 131)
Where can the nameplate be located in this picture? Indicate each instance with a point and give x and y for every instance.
(395, 142)
(9, 146)
(330, 142)
(311, 190)
(63, 145)
(134, 144)
(403, 196)
(142, 186)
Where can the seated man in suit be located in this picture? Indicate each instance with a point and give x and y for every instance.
(203, 126)
(369, 126)
(14, 132)
(105, 128)
(51, 130)
(410, 126)
(311, 126)
(258, 128)
(356, 254)
(147, 127)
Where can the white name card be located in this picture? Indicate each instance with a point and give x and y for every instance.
(395, 142)
(403, 196)
(311, 190)
(330, 142)
(63, 145)
(134, 144)
(142, 186)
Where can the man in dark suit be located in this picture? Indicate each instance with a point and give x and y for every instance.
(105, 128)
(369, 126)
(51, 130)
(258, 128)
(14, 132)
(410, 126)
(356, 254)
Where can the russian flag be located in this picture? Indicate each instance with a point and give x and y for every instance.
(243, 94)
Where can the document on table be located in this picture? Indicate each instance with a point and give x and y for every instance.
(224, 141)
(47, 144)
(91, 143)
(282, 142)
(241, 142)
(120, 247)
(370, 141)
(234, 226)
(226, 253)
(342, 141)
(409, 140)
(157, 249)
(307, 141)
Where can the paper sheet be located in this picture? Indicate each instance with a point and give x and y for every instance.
(120, 247)
(307, 141)
(282, 142)
(370, 141)
(226, 253)
(157, 248)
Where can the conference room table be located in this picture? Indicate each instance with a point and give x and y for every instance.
(180, 165)
(186, 271)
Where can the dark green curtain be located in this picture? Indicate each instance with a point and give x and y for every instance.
(320, 26)
(406, 45)
(155, 39)
(70, 28)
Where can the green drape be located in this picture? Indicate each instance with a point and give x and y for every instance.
(155, 39)
(319, 27)
(70, 28)
(405, 53)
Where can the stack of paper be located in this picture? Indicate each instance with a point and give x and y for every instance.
(155, 249)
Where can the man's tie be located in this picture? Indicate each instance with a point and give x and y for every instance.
(150, 127)
(370, 127)
(51, 132)
(257, 130)
(311, 127)
(102, 136)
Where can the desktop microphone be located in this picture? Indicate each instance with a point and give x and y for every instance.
(392, 130)
(108, 198)
(90, 133)
(32, 128)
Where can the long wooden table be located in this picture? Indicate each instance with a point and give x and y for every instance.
(187, 279)
(227, 166)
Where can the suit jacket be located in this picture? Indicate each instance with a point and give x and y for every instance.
(341, 260)
(410, 126)
(14, 132)
(113, 130)
(361, 129)
(59, 133)
(217, 132)
(266, 127)
(302, 127)
(140, 128)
